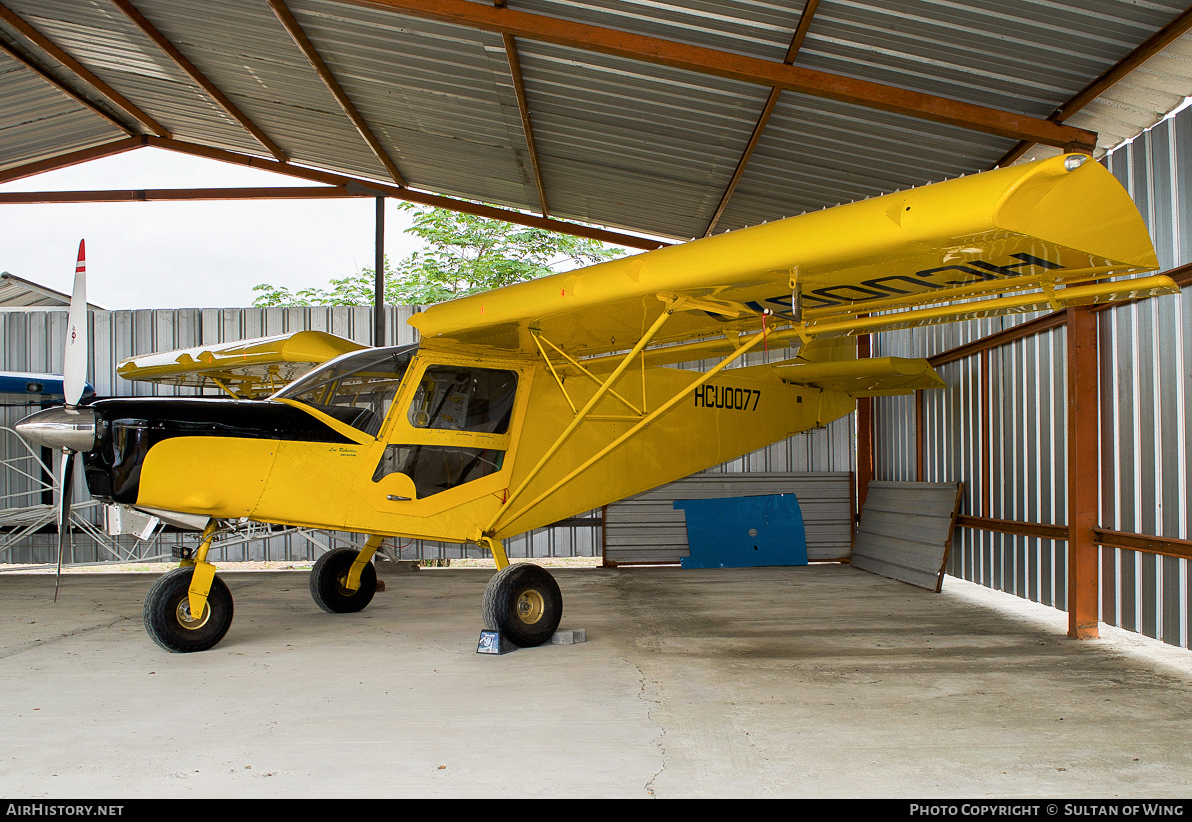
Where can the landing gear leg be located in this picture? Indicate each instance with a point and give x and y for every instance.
(495, 547)
(343, 581)
(189, 609)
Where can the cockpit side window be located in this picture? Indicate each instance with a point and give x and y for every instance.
(355, 389)
(464, 399)
(455, 399)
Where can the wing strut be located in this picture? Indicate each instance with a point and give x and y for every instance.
(539, 339)
(621, 440)
(604, 388)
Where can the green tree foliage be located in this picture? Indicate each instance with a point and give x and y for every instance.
(463, 254)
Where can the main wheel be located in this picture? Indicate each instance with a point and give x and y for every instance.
(523, 602)
(170, 623)
(328, 582)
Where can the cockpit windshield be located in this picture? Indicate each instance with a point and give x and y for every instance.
(356, 388)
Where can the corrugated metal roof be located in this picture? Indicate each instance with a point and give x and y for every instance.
(100, 37)
(37, 120)
(1142, 98)
(621, 142)
(1017, 56)
(16, 292)
(438, 97)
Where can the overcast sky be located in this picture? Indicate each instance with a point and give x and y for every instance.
(192, 254)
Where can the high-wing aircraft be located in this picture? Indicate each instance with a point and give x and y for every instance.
(527, 404)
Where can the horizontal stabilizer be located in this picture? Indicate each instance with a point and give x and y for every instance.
(868, 377)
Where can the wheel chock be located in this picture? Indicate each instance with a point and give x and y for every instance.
(493, 643)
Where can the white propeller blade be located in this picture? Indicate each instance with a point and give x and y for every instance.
(74, 373)
(66, 490)
(74, 381)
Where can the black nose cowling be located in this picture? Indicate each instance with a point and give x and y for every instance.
(72, 429)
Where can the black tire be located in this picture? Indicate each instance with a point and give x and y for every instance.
(327, 583)
(167, 614)
(524, 603)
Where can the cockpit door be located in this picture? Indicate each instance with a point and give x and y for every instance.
(450, 436)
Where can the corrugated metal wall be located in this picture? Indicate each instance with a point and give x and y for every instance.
(1145, 416)
(33, 340)
(647, 528)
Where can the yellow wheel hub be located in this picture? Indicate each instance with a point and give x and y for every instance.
(530, 606)
(186, 620)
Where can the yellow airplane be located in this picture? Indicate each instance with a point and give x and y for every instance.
(527, 404)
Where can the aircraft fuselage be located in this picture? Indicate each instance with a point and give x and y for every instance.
(420, 443)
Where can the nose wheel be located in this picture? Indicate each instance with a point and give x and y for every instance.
(170, 622)
(523, 602)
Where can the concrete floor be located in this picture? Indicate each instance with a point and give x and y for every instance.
(820, 681)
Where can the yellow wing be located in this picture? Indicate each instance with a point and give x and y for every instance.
(249, 368)
(1023, 238)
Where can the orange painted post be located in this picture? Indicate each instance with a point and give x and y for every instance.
(986, 473)
(1083, 473)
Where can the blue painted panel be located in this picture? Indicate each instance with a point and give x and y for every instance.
(719, 532)
(23, 388)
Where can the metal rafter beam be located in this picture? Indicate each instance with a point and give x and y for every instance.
(1161, 40)
(65, 89)
(373, 189)
(113, 97)
(523, 108)
(768, 109)
(149, 30)
(71, 159)
(745, 69)
(290, 23)
(152, 195)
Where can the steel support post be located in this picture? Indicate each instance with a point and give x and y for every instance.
(379, 278)
(1083, 472)
(920, 436)
(864, 431)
